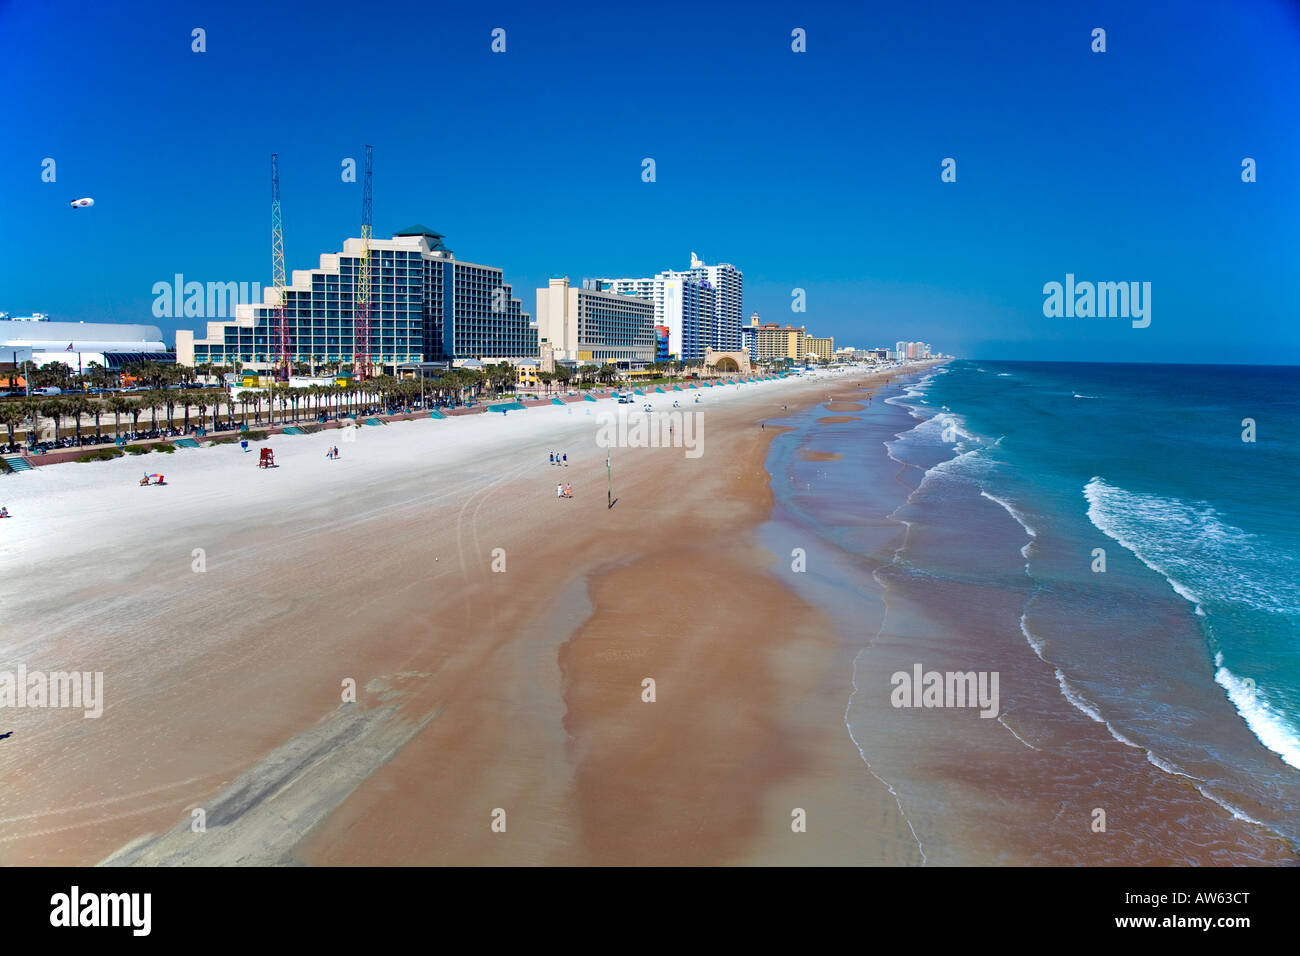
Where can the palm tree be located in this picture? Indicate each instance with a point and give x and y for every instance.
(245, 397)
(218, 398)
(52, 408)
(74, 408)
(200, 401)
(97, 409)
(135, 409)
(11, 414)
(151, 400)
(32, 409)
(117, 404)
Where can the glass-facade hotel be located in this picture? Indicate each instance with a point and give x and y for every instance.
(425, 305)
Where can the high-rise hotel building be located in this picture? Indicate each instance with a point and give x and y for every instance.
(425, 306)
(679, 303)
(777, 343)
(593, 324)
(700, 306)
(727, 285)
(822, 347)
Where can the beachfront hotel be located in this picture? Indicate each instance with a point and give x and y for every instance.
(776, 343)
(822, 348)
(679, 304)
(426, 306)
(591, 324)
(699, 306)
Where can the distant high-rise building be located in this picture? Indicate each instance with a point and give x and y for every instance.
(749, 337)
(680, 304)
(823, 348)
(777, 343)
(727, 285)
(701, 306)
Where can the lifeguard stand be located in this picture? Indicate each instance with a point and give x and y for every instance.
(266, 459)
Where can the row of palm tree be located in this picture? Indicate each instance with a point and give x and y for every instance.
(290, 402)
(386, 391)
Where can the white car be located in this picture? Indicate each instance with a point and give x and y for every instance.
(48, 390)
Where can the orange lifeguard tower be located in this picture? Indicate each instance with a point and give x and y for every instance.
(266, 459)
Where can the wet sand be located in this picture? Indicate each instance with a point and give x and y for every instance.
(809, 455)
(478, 690)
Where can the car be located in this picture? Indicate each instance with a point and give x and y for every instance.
(48, 390)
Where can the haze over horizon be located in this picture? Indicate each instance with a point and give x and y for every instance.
(817, 171)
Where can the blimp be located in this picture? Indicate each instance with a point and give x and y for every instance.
(82, 203)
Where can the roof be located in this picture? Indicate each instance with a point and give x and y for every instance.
(418, 230)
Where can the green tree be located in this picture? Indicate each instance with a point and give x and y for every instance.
(11, 416)
(117, 404)
(74, 408)
(51, 408)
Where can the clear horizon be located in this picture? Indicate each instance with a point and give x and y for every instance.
(818, 171)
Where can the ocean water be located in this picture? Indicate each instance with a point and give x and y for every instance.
(1102, 537)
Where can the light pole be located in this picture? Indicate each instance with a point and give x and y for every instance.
(609, 473)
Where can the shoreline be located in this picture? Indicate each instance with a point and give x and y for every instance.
(457, 649)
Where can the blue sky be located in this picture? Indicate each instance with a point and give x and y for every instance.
(816, 170)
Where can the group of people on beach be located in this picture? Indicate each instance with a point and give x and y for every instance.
(332, 452)
(564, 491)
(558, 459)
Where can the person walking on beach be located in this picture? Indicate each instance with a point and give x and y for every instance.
(568, 491)
(559, 491)
(552, 458)
(566, 459)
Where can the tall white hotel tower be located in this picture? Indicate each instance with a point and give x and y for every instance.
(701, 306)
(728, 284)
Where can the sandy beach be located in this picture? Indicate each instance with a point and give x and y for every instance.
(498, 638)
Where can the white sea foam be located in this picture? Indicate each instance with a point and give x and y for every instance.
(1020, 518)
(1271, 727)
(1090, 710)
(1189, 545)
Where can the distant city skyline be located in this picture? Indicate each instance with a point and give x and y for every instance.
(818, 174)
